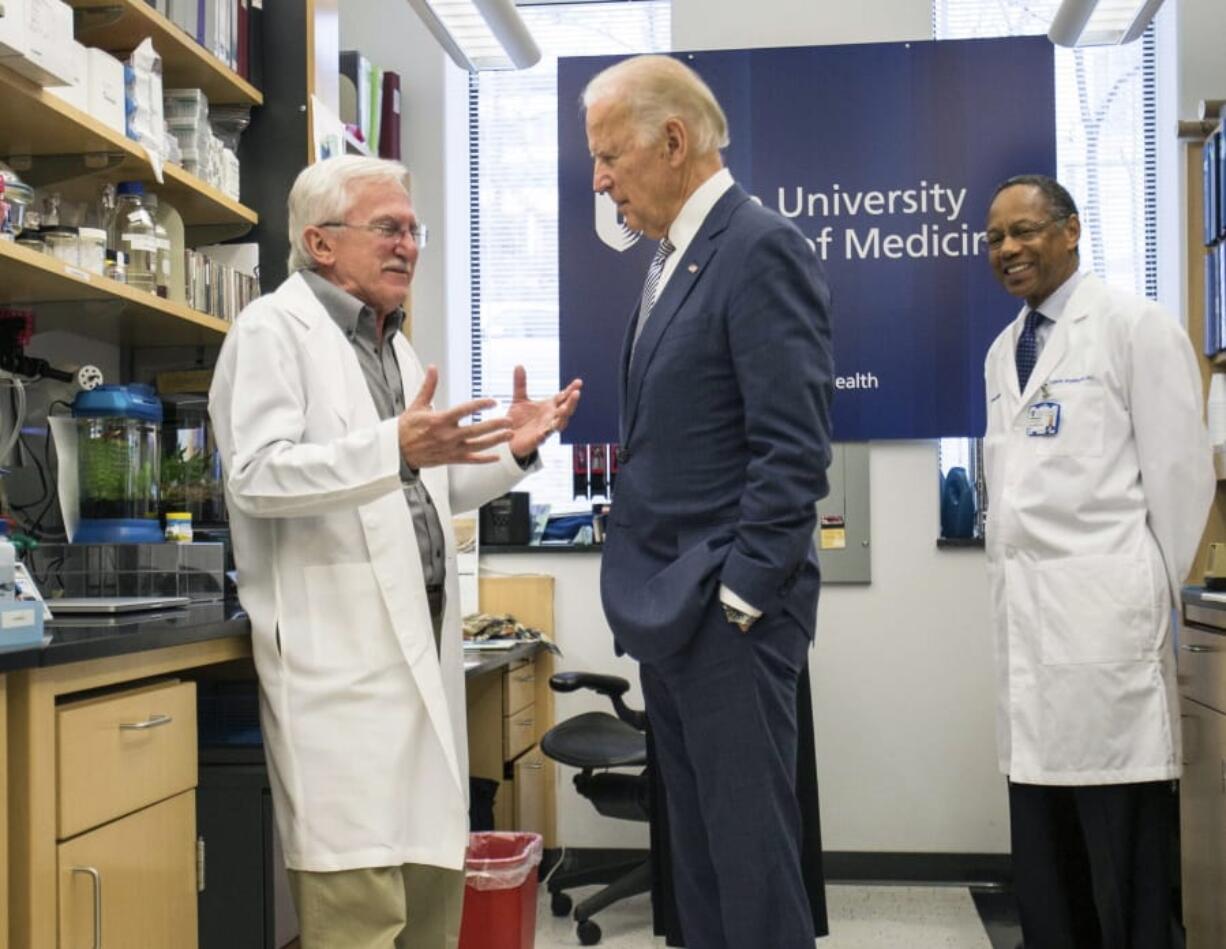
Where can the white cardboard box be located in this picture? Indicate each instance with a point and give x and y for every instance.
(105, 90)
(36, 40)
(76, 93)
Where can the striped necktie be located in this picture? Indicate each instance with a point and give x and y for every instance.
(1028, 348)
(651, 287)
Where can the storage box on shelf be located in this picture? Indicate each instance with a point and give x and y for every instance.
(36, 40)
(120, 24)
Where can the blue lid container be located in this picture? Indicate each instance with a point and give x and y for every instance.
(118, 456)
(132, 401)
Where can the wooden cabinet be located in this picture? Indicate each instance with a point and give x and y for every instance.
(510, 709)
(86, 792)
(1202, 825)
(1202, 662)
(131, 882)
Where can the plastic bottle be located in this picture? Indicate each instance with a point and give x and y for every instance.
(179, 527)
(8, 564)
(135, 234)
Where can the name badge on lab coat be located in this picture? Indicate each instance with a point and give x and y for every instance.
(1043, 419)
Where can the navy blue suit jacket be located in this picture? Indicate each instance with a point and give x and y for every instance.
(725, 436)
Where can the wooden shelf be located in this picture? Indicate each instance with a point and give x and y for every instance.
(120, 25)
(99, 307)
(40, 125)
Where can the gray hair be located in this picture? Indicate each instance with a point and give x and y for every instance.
(656, 89)
(324, 192)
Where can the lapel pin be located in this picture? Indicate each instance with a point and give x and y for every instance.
(693, 268)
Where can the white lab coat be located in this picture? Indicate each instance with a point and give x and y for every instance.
(363, 723)
(1090, 535)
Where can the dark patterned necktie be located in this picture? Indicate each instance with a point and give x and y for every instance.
(1028, 348)
(651, 287)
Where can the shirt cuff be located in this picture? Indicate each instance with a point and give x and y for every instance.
(729, 598)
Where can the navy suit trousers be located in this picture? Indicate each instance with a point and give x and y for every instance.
(723, 719)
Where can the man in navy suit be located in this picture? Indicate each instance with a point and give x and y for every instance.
(709, 576)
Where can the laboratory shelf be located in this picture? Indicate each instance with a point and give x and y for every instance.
(63, 142)
(72, 299)
(120, 25)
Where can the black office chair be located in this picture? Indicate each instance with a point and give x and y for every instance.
(595, 742)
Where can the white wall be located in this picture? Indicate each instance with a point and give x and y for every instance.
(434, 146)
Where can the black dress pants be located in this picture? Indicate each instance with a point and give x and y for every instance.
(1092, 864)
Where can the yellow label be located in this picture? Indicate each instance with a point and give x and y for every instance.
(833, 538)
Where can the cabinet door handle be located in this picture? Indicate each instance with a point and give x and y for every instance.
(1194, 647)
(153, 721)
(97, 878)
(526, 722)
(537, 765)
(525, 677)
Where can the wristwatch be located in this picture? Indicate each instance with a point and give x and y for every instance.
(738, 618)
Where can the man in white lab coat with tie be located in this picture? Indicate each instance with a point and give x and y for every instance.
(1099, 480)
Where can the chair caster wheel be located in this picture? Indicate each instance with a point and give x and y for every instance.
(589, 933)
(560, 904)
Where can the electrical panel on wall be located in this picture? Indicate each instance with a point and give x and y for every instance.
(843, 518)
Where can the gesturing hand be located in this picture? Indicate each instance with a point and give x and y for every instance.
(532, 422)
(429, 438)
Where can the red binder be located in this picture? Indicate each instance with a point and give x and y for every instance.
(389, 121)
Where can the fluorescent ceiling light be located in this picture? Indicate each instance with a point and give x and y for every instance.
(1101, 22)
(480, 34)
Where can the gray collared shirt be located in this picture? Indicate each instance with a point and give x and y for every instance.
(377, 357)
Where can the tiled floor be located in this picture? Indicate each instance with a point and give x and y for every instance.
(861, 917)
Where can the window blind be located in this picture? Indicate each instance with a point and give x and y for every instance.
(514, 206)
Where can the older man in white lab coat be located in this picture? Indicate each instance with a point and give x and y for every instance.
(341, 479)
(1099, 480)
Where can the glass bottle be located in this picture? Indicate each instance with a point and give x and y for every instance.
(134, 233)
(161, 272)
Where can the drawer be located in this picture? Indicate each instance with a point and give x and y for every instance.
(1202, 665)
(135, 879)
(518, 732)
(120, 752)
(519, 687)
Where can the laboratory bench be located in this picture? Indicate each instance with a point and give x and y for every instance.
(100, 727)
(1202, 791)
(99, 764)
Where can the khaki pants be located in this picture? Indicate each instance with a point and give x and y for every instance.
(406, 907)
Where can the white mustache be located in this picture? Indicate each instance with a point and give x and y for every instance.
(396, 269)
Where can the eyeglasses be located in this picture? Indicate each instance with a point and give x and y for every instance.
(1022, 233)
(386, 230)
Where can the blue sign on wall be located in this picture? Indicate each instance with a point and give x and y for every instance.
(885, 156)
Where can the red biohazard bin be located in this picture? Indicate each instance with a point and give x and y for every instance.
(500, 891)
